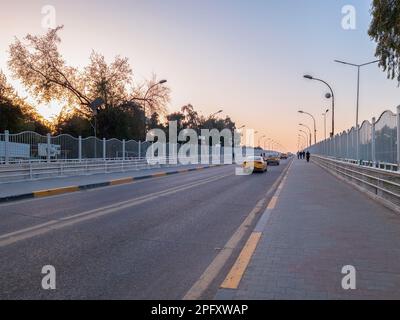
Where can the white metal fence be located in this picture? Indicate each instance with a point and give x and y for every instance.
(374, 143)
(33, 146)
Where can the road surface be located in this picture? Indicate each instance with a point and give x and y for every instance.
(151, 239)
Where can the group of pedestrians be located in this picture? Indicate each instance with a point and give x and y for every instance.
(301, 155)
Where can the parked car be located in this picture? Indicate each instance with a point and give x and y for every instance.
(284, 156)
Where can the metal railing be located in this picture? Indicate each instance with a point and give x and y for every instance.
(30, 145)
(375, 143)
(380, 183)
(40, 170)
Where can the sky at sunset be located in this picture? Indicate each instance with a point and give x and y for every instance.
(245, 57)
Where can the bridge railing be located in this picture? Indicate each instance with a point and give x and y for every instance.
(39, 170)
(28, 146)
(381, 184)
(375, 143)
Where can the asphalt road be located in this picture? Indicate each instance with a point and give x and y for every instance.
(151, 239)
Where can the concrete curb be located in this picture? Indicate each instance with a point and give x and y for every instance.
(70, 189)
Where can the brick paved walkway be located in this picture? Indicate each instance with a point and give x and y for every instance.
(319, 225)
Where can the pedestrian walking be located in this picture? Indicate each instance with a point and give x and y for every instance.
(308, 155)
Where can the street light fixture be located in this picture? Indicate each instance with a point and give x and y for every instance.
(315, 124)
(145, 100)
(233, 140)
(308, 144)
(214, 114)
(358, 66)
(309, 130)
(324, 114)
(95, 105)
(300, 136)
(259, 140)
(328, 96)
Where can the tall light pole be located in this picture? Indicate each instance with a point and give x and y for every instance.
(95, 105)
(309, 130)
(273, 143)
(328, 96)
(324, 114)
(145, 100)
(300, 136)
(315, 124)
(267, 143)
(358, 66)
(233, 141)
(309, 143)
(259, 140)
(214, 114)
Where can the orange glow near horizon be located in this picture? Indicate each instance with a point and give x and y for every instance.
(248, 60)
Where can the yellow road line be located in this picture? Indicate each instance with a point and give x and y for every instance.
(161, 174)
(272, 203)
(120, 181)
(235, 275)
(52, 192)
(208, 276)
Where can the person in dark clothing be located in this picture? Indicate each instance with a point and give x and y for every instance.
(298, 154)
(308, 154)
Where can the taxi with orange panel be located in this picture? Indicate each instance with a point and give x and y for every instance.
(255, 163)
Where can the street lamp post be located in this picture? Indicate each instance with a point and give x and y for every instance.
(233, 142)
(259, 140)
(315, 125)
(214, 114)
(328, 96)
(266, 143)
(308, 143)
(309, 130)
(300, 136)
(95, 105)
(358, 66)
(145, 100)
(324, 114)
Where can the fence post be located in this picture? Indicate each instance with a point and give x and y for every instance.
(358, 144)
(48, 146)
(373, 145)
(123, 150)
(398, 138)
(6, 145)
(140, 147)
(104, 149)
(80, 148)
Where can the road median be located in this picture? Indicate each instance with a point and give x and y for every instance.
(41, 193)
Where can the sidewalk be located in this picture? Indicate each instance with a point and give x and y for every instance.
(16, 189)
(319, 225)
